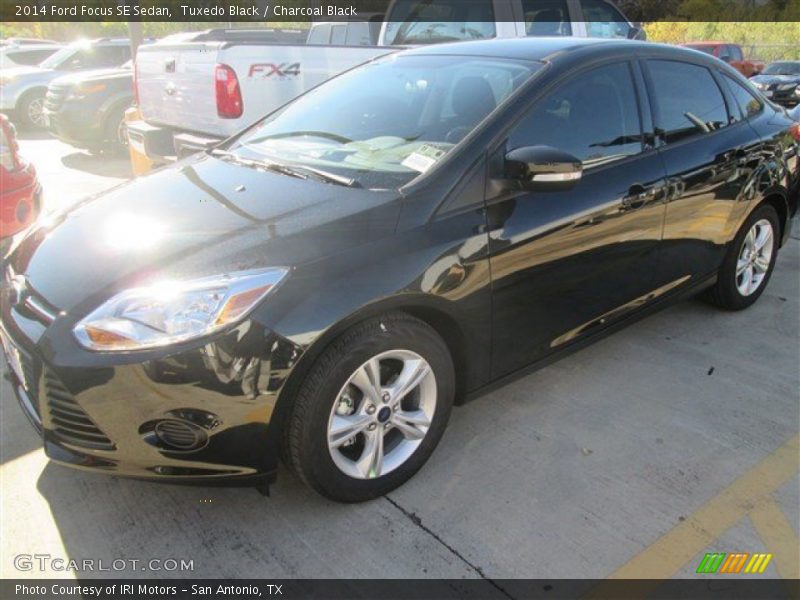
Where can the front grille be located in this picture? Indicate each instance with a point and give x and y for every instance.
(68, 421)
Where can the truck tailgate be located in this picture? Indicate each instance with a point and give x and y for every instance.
(176, 85)
(177, 89)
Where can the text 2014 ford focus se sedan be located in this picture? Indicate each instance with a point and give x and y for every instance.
(326, 285)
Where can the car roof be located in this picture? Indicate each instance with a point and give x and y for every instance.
(543, 48)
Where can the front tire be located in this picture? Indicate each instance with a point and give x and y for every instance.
(749, 263)
(30, 110)
(372, 409)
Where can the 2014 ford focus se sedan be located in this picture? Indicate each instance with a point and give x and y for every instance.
(325, 286)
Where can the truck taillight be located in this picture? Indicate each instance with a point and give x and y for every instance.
(229, 95)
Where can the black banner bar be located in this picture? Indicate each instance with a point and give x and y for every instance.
(710, 586)
(260, 11)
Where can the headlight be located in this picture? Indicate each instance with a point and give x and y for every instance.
(81, 91)
(169, 313)
(786, 86)
(6, 79)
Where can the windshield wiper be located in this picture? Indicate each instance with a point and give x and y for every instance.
(300, 172)
(297, 170)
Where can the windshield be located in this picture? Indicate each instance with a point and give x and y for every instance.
(783, 68)
(383, 124)
(54, 61)
(424, 22)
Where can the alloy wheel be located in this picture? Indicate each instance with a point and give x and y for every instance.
(382, 414)
(755, 257)
(36, 112)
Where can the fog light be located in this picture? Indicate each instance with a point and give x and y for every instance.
(179, 435)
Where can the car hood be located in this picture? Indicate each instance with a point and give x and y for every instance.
(201, 217)
(770, 79)
(94, 75)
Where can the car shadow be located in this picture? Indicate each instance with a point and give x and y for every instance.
(32, 134)
(18, 436)
(104, 165)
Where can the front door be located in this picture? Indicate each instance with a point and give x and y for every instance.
(565, 264)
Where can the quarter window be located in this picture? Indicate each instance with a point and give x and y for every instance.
(688, 99)
(546, 17)
(595, 117)
(746, 100)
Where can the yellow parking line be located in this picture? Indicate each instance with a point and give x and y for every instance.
(673, 550)
(779, 539)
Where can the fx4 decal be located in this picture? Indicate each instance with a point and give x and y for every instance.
(267, 70)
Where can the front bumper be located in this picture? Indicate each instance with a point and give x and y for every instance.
(137, 418)
(75, 125)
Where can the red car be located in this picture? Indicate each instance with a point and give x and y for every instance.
(20, 192)
(731, 54)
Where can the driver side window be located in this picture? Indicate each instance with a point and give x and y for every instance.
(594, 117)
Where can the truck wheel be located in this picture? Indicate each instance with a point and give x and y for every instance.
(30, 110)
(372, 409)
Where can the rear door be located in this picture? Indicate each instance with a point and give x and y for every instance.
(708, 153)
(566, 264)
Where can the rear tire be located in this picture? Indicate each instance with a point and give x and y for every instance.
(749, 263)
(340, 422)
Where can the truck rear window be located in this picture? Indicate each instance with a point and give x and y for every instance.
(423, 22)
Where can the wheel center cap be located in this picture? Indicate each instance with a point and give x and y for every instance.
(384, 414)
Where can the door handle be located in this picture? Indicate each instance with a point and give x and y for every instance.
(638, 196)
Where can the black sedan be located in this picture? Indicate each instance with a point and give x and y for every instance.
(780, 82)
(325, 286)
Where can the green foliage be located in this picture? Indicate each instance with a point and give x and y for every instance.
(765, 41)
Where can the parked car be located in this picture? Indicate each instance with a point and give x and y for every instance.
(23, 41)
(20, 192)
(731, 54)
(87, 109)
(22, 89)
(780, 82)
(231, 84)
(25, 55)
(328, 283)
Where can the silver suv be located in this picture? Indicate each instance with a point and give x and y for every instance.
(22, 89)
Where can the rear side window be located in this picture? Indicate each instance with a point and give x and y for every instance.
(30, 57)
(546, 17)
(735, 52)
(603, 20)
(595, 117)
(687, 98)
(746, 100)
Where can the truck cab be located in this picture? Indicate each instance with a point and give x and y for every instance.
(416, 22)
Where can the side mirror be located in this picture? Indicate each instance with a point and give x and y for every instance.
(543, 169)
(637, 33)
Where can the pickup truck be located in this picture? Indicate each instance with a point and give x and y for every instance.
(195, 89)
(731, 54)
